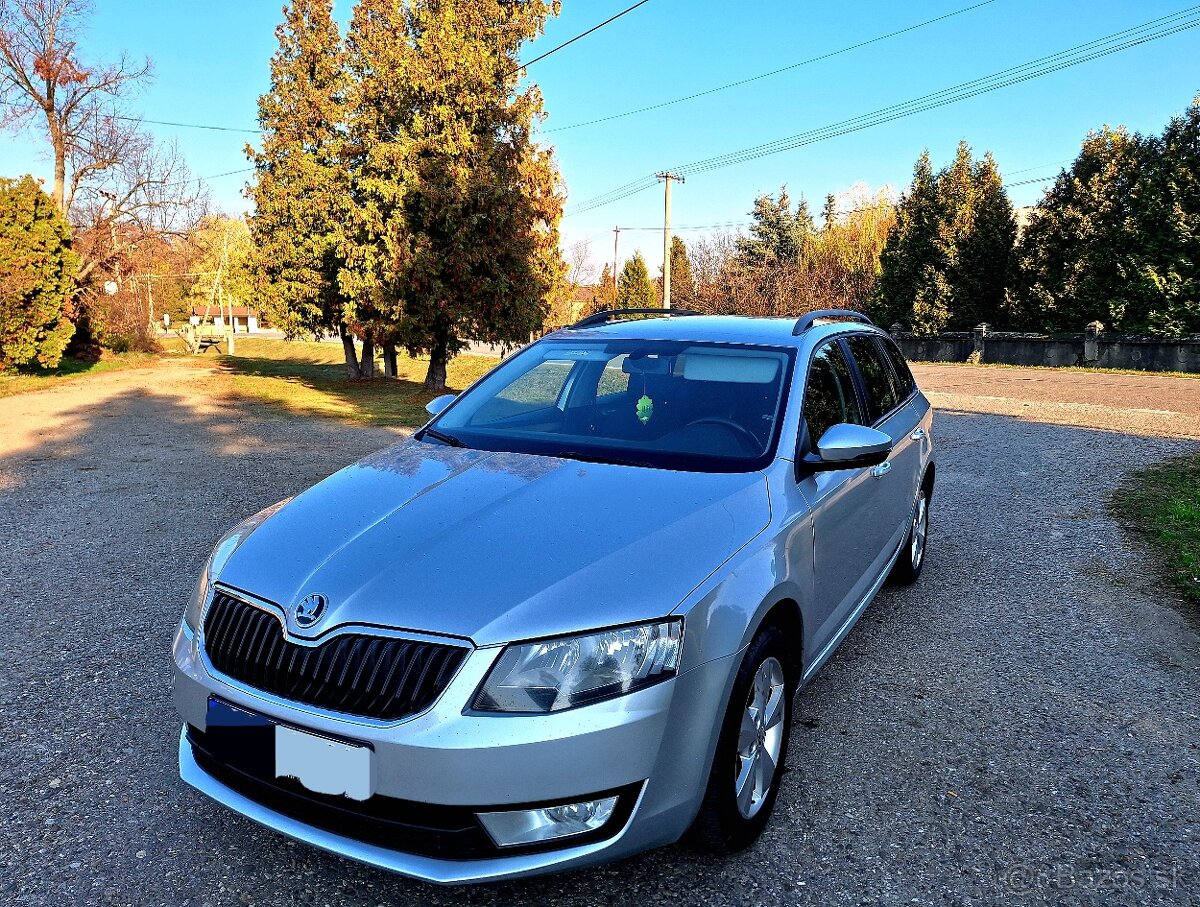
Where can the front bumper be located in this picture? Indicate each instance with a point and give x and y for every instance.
(655, 745)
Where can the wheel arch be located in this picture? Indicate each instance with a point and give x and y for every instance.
(789, 618)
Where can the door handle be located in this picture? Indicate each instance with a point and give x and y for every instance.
(882, 469)
(918, 435)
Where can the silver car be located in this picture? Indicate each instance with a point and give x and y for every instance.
(564, 622)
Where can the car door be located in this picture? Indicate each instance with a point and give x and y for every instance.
(887, 402)
(847, 532)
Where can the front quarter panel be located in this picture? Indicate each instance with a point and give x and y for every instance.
(723, 614)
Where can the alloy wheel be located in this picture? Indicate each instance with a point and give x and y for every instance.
(760, 738)
(920, 529)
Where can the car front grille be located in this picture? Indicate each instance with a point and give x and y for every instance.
(371, 676)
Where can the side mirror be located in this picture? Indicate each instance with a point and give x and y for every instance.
(846, 446)
(435, 406)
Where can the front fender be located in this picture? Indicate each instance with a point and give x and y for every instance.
(724, 615)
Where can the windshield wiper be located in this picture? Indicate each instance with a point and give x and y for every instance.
(443, 437)
(594, 458)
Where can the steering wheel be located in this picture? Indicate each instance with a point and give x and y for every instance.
(742, 433)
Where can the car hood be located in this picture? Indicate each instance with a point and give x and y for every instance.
(496, 547)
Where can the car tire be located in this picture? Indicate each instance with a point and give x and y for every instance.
(909, 564)
(738, 800)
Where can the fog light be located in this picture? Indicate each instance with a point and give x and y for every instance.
(531, 826)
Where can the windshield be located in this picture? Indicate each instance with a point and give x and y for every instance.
(710, 407)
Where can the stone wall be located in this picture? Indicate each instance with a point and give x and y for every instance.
(1093, 347)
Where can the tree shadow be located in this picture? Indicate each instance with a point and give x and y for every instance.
(299, 387)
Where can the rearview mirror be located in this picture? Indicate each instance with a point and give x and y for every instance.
(846, 446)
(435, 406)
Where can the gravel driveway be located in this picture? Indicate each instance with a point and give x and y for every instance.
(1020, 727)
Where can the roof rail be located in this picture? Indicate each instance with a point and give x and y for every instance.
(612, 314)
(804, 322)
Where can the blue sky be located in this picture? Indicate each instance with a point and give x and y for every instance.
(211, 63)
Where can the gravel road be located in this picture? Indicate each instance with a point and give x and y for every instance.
(1021, 727)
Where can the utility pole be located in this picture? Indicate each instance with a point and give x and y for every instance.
(667, 177)
(616, 236)
(150, 300)
(218, 295)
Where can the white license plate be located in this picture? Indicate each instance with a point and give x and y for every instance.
(322, 765)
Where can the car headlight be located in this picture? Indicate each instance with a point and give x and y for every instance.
(555, 674)
(220, 556)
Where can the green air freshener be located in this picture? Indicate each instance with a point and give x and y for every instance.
(645, 409)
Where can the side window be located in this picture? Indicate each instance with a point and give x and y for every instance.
(829, 396)
(905, 383)
(613, 380)
(877, 376)
(538, 388)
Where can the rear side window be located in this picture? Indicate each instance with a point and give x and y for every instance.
(829, 396)
(614, 379)
(538, 388)
(905, 383)
(877, 376)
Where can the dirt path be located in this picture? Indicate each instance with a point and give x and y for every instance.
(1138, 404)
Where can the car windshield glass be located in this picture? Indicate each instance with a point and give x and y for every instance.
(677, 405)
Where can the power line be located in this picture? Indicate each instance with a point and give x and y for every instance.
(208, 126)
(1091, 50)
(1041, 166)
(577, 37)
(1040, 179)
(214, 127)
(1081, 53)
(774, 72)
(131, 119)
(226, 173)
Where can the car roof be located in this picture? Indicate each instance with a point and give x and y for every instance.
(713, 329)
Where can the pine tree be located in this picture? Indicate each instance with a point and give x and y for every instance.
(301, 185)
(1115, 238)
(606, 295)
(778, 234)
(984, 254)
(635, 290)
(907, 291)
(683, 286)
(829, 213)
(456, 227)
(37, 268)
(1174, 223)
(1080, 254)
(947, 263)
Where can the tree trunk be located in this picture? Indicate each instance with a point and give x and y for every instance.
(352, 371)
(389, 360)
(60, 178)
(366, 366)
(435, 378)
(59, 145)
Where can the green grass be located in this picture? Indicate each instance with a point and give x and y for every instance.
(1163, 504)
(306, 378)
(69, 370)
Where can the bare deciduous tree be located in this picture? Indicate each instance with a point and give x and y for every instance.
(837, 267)
(41, 77)
(581, 270)
(142, 190)
(115, 185)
